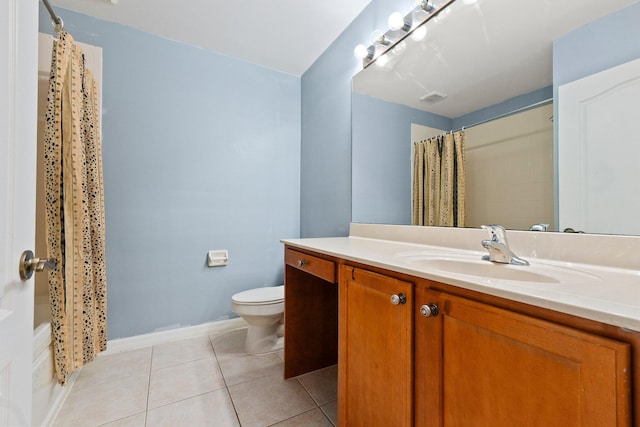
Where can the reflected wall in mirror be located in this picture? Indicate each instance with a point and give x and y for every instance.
(489, 59)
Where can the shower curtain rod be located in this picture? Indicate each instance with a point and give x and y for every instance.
(499, 116)
(510, 113)
(55, 18)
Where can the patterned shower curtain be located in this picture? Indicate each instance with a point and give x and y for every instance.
(439, 181)
(75, 225)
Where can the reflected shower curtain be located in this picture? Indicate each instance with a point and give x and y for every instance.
(439, 181)
(75, 223)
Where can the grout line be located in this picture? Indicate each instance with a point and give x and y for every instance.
(301, 413)
(215, 354)
(224, 379)
(146, 412)
(327, 415)
(308, 391)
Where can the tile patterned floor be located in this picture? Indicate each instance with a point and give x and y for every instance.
(205, 381)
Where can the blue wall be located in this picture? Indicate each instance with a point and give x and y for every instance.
(605, 43)
(381, 150)
(326, 126)
(200, 151)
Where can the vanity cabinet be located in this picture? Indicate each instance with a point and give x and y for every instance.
(310, 312)
(480, 365)
(375, 363)
(439, 359)
(415, 352)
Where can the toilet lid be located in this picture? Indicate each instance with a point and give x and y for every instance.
(260, 295)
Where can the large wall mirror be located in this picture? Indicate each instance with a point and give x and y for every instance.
(485, 66)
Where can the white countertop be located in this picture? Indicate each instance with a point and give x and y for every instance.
(598, 292)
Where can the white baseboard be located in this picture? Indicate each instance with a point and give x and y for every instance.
(140, 341)
(60, 394)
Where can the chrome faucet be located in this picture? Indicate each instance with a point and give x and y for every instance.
(539, 227)
(498, 247)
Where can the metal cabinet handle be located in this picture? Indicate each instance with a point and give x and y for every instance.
(29, 264)
(429, 310)
(397, 299)
(302, 262)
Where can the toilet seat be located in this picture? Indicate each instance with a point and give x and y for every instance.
(260, 296)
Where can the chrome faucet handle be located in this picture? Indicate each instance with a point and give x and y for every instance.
(539, 227)
(497, 233)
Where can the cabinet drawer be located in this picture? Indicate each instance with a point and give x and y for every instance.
(322, 268)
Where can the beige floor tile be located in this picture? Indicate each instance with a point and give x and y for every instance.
(269, 400)
(137, 420)
(210, 409)
(103, 403)
(322, 384)
(178, 382)
(313, 418)
(114, 367)
(181, 351)
(245, 367)
(208, 380)
(331, 411)
(229, 343)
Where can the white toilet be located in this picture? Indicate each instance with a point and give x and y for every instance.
(262, 309)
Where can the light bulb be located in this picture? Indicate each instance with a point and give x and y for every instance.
(395, 21)
(399, 48)
(419, 33)
(360, 51)
(381, 61)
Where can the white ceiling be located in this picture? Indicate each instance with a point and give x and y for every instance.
(284, 35)
(481, 54)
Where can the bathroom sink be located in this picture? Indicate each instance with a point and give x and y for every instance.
(472, 265)
(486, 269)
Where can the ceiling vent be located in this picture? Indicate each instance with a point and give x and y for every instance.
(433, 97)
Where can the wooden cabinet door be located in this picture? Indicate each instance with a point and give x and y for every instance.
(375, 362)
(485, 366)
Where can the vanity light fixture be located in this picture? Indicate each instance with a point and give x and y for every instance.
(397, 22)
(363, 52)
(382, 60)
(381, 38)
(426, 5)
(400, 27)
(399, 48)
(419, 33)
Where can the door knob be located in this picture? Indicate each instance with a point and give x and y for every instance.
(29, 264)
(429, 310)
(397, 299)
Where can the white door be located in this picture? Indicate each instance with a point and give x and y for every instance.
(18, 107)
(599, 151)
